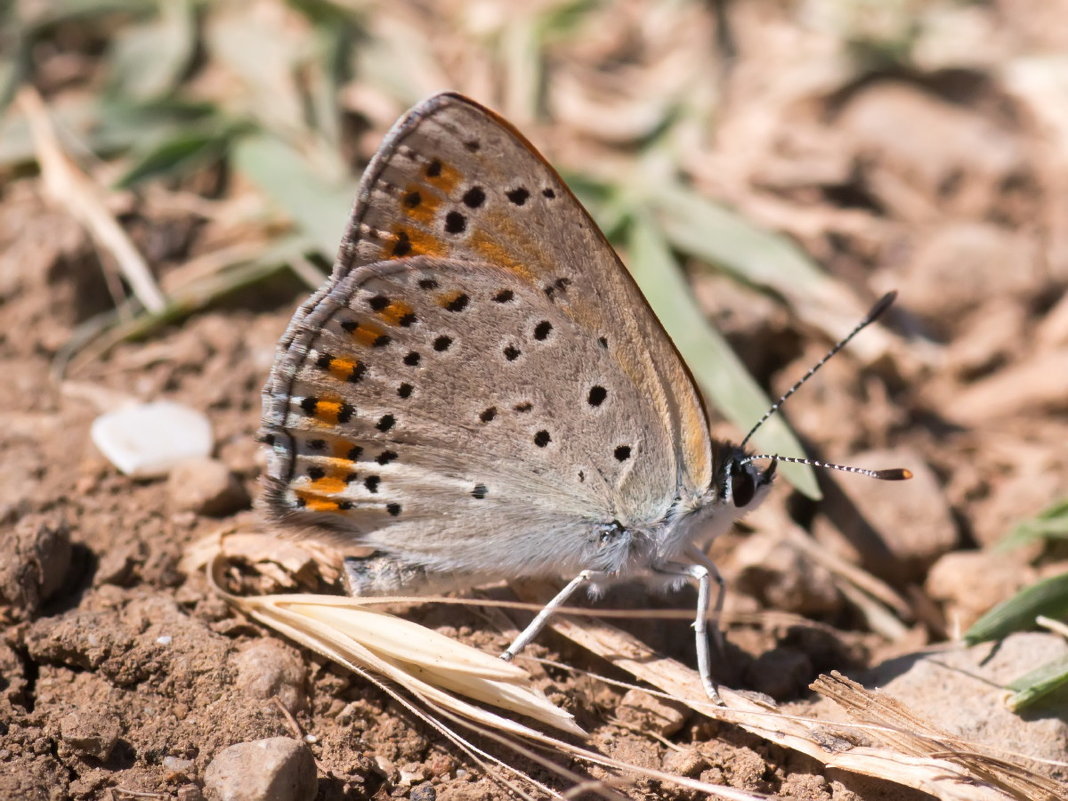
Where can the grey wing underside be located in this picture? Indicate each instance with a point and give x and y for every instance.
(444, 412)
(456, 198)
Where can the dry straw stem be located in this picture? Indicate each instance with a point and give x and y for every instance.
(911, 752)
(84, 200)
(419, 659)
(424, 663)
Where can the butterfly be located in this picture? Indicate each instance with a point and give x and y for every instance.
(480, 390)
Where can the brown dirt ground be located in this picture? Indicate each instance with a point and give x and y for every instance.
(92, 701)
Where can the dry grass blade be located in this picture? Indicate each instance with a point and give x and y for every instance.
(417, 658)
(912, 736)
(923, 765)
(81, 197)
(379, 646)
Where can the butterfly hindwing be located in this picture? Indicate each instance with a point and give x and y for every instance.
(445, 411)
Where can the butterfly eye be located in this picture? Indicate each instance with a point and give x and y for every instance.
(743, 488)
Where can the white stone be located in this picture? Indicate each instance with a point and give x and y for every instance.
(149, 439)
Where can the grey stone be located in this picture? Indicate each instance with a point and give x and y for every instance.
(961, 692)
(275, 769)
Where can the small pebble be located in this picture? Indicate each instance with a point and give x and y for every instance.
(205, 487)
(269, 669)
(969, 583)
(178, 765)
(649, 713)
(423, 792)
(275, 769)
(90, 734)
(147, 440)
(37, 554)
(780, 576)
(687, 762)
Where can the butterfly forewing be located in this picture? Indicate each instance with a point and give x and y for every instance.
(479, 361)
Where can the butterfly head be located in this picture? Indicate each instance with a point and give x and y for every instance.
(740, 482)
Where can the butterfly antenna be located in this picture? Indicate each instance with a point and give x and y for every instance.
(882, 305)
(892, 474)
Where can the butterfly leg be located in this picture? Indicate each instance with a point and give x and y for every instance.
(704, 572)
(538, 623)
(700, 558)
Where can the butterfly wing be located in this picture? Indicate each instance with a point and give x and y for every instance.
(480, 371)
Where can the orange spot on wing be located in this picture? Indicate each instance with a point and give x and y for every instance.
(449, 298)
(395, 312)
(329, 411)
(420, 205)
(366, 334)
(330, 485)
(341, 369)
(413, 242)
(340, 449)
(316, 503)
(499, 256)
(442, 176)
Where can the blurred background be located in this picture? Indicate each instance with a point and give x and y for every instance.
(176, 177)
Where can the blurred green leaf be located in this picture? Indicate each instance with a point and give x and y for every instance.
(104, 127)
(1051, 523)
(14, 57)
(148, 59)
(698, 227)
(265, 55)
(129, 321)
(1038, 684)
(186, 149)
(715, 366)
(1048, 597)
(318, 207)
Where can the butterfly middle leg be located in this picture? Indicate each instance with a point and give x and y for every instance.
(704, 571)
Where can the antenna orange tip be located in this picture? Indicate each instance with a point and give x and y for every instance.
(895, 474)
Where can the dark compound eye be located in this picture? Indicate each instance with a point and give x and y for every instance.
(743, 487)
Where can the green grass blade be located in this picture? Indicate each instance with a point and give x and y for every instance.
(1037, 684)
(317, 206)
(1048, 597)
(697, 226)
(175, 155)
(1050, 523)
(148, 59)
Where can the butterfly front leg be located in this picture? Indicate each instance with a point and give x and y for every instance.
(705, 572)
(538, 623)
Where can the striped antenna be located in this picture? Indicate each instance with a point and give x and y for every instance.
(882, 305)
(892, 474)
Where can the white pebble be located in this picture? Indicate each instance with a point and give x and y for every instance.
(148, 439)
